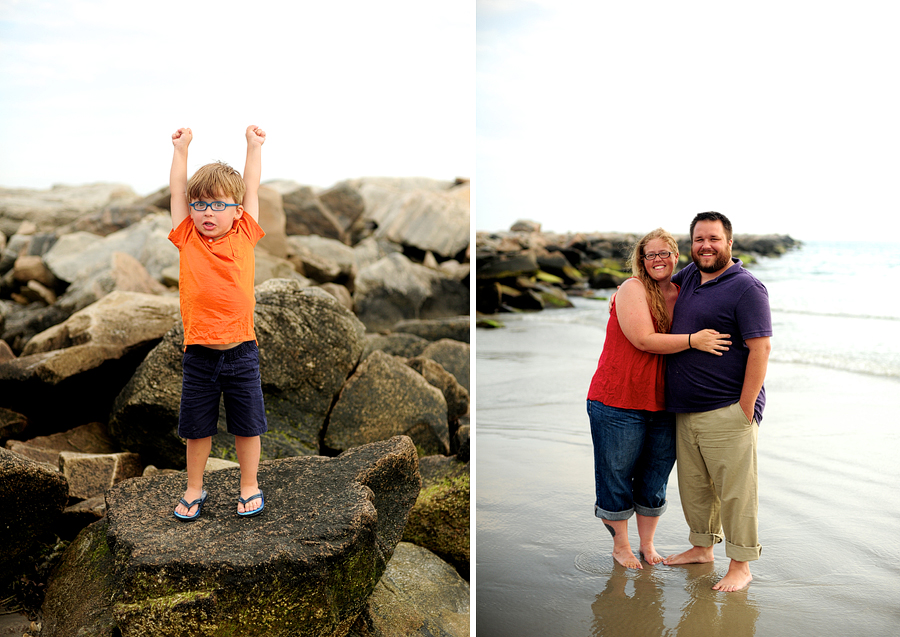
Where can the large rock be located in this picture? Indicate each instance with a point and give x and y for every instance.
(58, 206)
(308, 346)
(80, 255)
(92, 354)
(269, 266)
(435, 221)
(455, 394)
(91, 474)
(453, 356)
(305, 566)
(419, 595)
(90, 438)
(325, 259)
(345, 202)
(307, 215)
(384, 398)
(458, 328)
(272, 221)
(394, 288)
(32, 497)
(440, 519)
(116, 216)
(399, 344)
(12, 423)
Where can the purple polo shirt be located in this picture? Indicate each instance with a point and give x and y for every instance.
(735, 303)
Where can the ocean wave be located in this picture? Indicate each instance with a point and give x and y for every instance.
(843, 315)
(886, 369)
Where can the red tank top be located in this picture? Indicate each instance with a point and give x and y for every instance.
(626, 377)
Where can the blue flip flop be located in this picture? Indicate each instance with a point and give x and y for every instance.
(250, 514)
(199, 501)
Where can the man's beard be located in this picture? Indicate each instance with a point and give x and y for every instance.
(722, 259)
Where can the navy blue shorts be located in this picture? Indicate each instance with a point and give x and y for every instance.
(210, 373)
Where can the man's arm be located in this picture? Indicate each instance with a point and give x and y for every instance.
(181, 139)
(636, 322)
(253, 170)
(755, 373)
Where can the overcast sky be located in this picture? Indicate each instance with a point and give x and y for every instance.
(91, 90)
(596, 116)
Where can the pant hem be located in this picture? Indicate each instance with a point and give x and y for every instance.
(742, 553)
(612, 517)
(705, 539)
(650, 512)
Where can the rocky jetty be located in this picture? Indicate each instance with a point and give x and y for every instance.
(306, 566)
(362, 321)
(527, 269)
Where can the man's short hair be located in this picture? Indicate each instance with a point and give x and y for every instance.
(216, 180)
(712, 216)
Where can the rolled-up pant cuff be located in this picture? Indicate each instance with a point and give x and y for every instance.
(705, 539)
(612, 516)
(742, 553)
(650, 512)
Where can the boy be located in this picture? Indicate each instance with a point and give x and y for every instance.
(214, 227)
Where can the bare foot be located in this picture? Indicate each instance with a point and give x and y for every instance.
(649, 554)
(737, 577)
(189, 496)
(252, 505)
(694, 555)
(626, 558)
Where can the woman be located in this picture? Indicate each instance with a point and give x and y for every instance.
(634, 437)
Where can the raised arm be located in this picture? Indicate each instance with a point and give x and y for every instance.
(253, 170)
(181, 139)
(637, 325)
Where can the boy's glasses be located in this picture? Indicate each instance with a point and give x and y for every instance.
(218, 206)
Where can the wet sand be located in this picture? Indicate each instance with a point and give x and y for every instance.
(829, 527)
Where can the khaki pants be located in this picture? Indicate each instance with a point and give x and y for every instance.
(717, 478)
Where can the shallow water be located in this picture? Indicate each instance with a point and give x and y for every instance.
(828, 518)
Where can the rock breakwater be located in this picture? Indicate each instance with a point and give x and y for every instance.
(362, 304)
(524, 268)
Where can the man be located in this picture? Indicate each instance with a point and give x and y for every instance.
(719, 401)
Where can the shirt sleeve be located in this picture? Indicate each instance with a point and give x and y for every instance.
(179, 235)
(753, 314)
(250, 229)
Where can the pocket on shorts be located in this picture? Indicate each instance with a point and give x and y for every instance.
(741, 414)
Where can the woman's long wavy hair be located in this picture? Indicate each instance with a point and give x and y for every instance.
(654, 295)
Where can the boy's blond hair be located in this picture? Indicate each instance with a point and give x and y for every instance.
(216, 180)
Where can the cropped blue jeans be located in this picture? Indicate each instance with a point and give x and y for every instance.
(634, 452)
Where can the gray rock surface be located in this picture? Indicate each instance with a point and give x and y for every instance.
(384, 398)
(32, 497)
(394, 289)
(456, 327)
(93, 353)
(58, 206)
(399, 344)
(436, 221)
(305, 566)
(453, 356)
(419, 595)
(91, 474)
(439, 521)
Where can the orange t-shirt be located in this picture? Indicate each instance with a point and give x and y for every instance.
(215, 282)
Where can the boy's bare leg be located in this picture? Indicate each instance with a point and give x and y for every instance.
(621, 546)
(197, 455)
(248, 450)
(646, 526)
(694, 555)
(737, 577)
